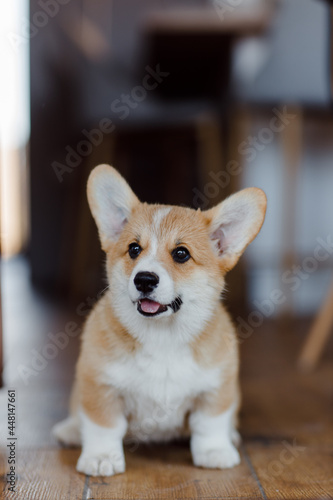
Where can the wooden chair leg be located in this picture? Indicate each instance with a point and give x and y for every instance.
(292, 143)
(216, 147)
(210, 157)
(318, 335)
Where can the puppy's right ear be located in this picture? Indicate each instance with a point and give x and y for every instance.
(111, 202)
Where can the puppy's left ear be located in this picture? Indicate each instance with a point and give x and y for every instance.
(235, 222)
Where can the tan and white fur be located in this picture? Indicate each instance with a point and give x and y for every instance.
(160, 360)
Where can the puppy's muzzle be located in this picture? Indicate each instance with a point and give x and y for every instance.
(146, 282)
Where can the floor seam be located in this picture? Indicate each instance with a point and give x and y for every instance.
(86, 488)
(253, 472)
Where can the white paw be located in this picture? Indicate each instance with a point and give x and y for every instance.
(68, 432)
(101, 465)
(219, 458)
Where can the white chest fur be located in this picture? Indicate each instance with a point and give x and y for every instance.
(159, 384)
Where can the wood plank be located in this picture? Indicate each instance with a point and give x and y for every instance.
(279, 402)
(166, 471)
(45, 475)
(287, 471)
(318, 335)
(279, 409)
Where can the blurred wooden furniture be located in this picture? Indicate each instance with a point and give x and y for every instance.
(294, 79)
(318, 335)
(247, 21)
(162, 138)
(195, 45)
(323, 324)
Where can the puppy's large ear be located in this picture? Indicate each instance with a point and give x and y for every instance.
(235, 222)
(111, 202)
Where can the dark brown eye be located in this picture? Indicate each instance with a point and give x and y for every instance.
(134, 250)
(180, 255)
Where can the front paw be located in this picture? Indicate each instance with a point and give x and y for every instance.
(104, 464)
(216, 458)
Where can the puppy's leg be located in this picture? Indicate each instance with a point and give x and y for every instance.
(68, 431)
(102, 452)
(213, 428)
(103, 427)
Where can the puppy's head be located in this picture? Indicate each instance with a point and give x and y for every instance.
(166, 264)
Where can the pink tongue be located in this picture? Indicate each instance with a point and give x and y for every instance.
(149, 306)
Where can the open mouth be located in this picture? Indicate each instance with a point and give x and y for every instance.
(148, 307)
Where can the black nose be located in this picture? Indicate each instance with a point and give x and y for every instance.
(146, 282)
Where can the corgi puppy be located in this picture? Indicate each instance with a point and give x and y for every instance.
(159, 356)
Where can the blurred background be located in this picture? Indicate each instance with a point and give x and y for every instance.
(191, 100)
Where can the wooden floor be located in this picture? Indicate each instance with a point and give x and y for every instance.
(286, 420)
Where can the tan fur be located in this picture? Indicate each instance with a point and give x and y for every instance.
(210, 349)
(104, 339)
